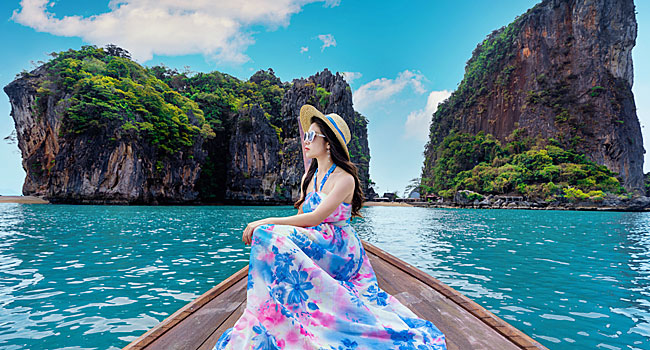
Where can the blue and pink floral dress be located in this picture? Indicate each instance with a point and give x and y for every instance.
(314, 288)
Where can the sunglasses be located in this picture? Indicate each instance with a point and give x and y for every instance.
(309, 136)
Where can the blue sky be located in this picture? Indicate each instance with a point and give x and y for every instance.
(400, 60)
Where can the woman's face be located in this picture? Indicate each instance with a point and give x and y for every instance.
(318, 146)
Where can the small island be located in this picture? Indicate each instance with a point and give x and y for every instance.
(542, 119)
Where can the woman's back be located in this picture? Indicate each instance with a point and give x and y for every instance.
(340, 215)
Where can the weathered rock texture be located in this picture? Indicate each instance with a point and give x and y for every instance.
(263, 162)
(93, 167)
(255, 150)
(562, 70)
(267, 165)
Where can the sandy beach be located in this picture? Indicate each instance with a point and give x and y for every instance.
(23, 200)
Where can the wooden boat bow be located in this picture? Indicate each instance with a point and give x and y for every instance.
(466, 324)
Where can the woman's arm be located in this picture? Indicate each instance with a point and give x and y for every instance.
(342, 187)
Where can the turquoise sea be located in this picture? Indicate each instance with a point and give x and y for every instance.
(97, 277)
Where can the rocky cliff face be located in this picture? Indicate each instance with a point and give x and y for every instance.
(98, 167)
(255, 151)
(562, 70)
(267, 163)
(255, 157)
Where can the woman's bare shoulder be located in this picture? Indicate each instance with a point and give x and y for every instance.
(345, 178)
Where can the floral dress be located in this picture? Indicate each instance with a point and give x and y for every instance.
(314, 288)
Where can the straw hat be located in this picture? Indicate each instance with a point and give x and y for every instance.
(333, 120)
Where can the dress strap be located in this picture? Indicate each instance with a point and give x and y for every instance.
(315, 179)
(326, 176)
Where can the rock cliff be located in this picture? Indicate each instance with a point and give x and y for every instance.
(561, 71)
(99, 166)
(255, 152)
(202, 138)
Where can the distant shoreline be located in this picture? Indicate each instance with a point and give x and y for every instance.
(40, 200)
(566, 206)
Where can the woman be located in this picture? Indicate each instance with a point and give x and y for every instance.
(310, 283)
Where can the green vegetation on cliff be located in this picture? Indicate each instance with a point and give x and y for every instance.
(102, 88)
(480, 163)
(220, 95)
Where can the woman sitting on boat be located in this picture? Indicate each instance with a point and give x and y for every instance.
(310, 283)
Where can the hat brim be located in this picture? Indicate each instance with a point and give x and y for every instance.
(309, 111)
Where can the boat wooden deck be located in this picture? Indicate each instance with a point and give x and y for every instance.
(466, 324)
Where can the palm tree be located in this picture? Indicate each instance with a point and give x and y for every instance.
(414, 184)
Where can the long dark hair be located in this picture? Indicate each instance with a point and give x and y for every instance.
(340, 158)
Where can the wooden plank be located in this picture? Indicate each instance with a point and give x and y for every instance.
(178, 316)
(198, 326)
(462, 330)
(513, 334)
(230, 322)
(383, 279)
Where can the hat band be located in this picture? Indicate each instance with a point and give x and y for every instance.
(337, 128)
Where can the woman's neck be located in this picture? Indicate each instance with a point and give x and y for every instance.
(324, 164)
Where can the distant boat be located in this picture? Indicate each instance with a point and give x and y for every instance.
(466, 324)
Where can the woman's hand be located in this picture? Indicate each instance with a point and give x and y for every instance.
(248, 231)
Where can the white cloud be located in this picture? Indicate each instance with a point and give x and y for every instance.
(216, 29)
(383, 88)
(304, 49)
(418, 122)
(351, 76)
(328, 40)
